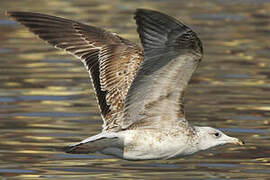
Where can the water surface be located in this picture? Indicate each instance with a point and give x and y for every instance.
(46, 101)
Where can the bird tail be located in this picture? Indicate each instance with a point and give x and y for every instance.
(93, 144)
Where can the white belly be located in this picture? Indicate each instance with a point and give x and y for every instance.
(146, 144)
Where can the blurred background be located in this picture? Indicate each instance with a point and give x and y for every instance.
(47, 102)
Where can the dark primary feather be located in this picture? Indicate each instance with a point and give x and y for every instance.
(70, 36)
(158, 31)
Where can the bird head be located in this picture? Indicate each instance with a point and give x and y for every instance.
(210, 137)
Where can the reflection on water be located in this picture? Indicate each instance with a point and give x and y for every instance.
(46, 101)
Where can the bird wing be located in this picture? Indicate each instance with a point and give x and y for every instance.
(111, 61)
(172, 52)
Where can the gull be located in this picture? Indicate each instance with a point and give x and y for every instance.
(139, 91)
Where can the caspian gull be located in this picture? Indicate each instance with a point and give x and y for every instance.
(139, 91)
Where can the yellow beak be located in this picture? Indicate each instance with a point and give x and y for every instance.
(240, 142)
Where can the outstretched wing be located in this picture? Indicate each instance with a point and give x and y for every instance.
(111, 61)
(172, 52)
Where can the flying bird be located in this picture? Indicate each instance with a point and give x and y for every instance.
(139, 91)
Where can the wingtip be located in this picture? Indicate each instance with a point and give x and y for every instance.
(7, 13)
(141, 11)
(11, 14)
(149, 12)
(15, 14)
(146, 10)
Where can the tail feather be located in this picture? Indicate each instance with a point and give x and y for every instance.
(82, 148)
(94, 144)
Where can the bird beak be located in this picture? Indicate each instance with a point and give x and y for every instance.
(240, 142)
(237, 141)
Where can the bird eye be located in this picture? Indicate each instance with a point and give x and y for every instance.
(217, 134)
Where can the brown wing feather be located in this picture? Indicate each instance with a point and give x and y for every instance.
(118, 66)
(111, 61)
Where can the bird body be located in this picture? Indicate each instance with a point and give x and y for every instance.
(139, 91)
(151, 144)
(139, 144)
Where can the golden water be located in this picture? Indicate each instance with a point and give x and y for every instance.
(46, 101)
